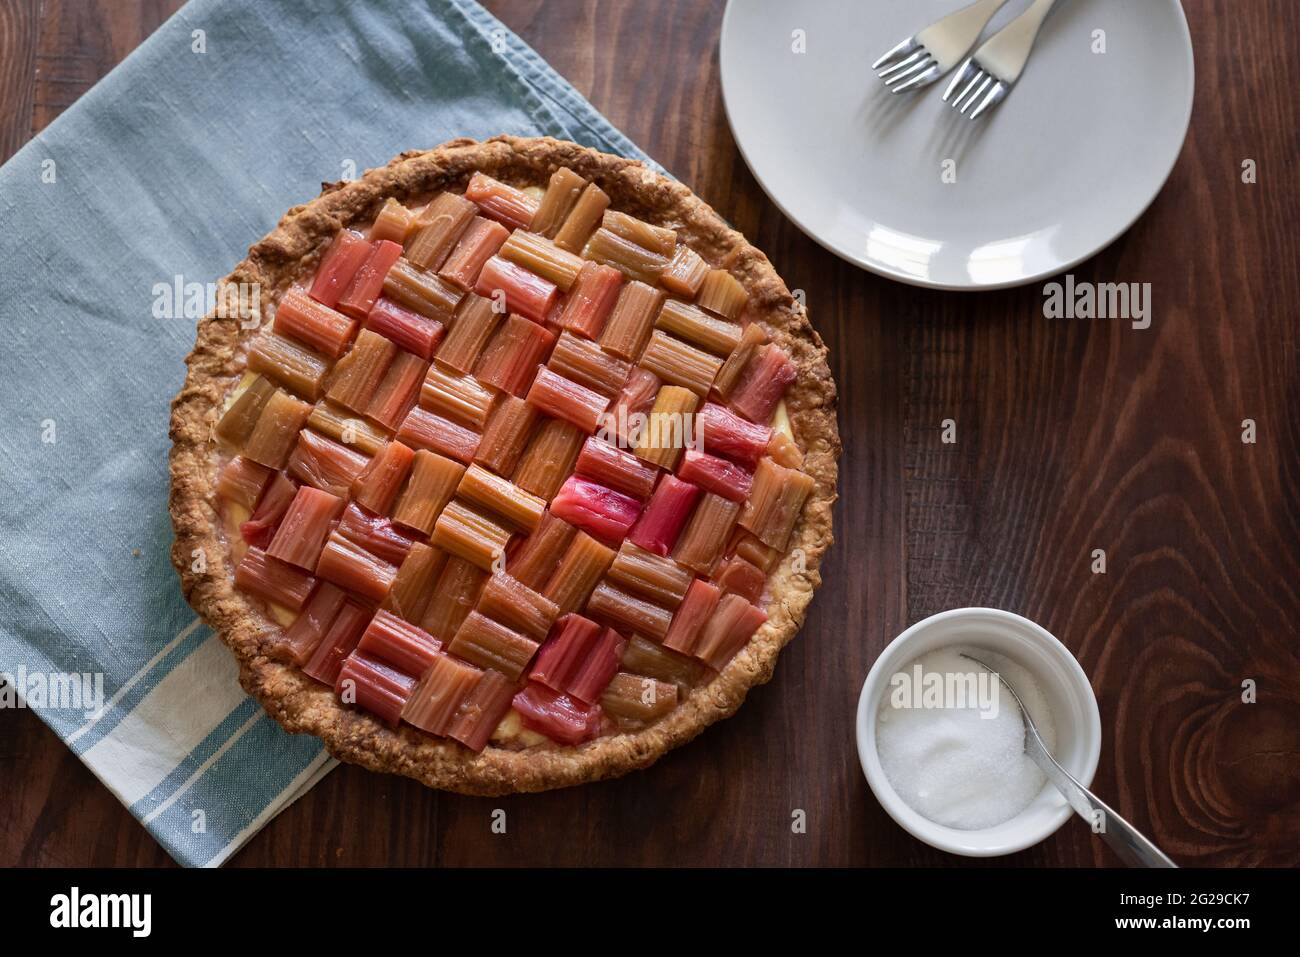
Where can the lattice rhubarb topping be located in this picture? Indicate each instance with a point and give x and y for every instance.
(514, 464)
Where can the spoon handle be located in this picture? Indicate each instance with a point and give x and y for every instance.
(1128, 843)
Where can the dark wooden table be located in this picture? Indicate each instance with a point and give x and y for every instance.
(1073, 435)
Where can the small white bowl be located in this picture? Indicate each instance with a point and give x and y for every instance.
(1069, 695)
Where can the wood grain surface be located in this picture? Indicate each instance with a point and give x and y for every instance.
(1072, 435)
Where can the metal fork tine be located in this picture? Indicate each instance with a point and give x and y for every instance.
(988, 79)
(978, 74)
(915, 58)
(921, 79)
(966, 69)
(901, 49)
(909, 72)
(993, 99)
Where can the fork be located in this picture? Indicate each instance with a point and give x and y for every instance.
(1129, 844)
(990, 74)
(924, 57)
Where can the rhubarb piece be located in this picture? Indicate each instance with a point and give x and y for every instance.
(496, 200)
(652, 576)
(478, 243)
(724, 433)
(315, 325)
(405, 328)
(684, 273)
(599, 510)
(339, 641)
(473, 326)
(241, 414)
(561, 398)
(505, 434)
(305, 526)
(696, 326)
(325, 464)
(537, 557)
(346, 252)
(482, 710)
(300, 370)
(722, 293)
(716, 475)
(631, 320)
(783, 450)
(351, 567)
(633, 261)
(440, 693)
(421, 429)
(645, 657)
(775, 503)
(473, 536)
(542, 257)
(433, 482)
(665, 515)
(740, 577)
(394, 223)
(276, 498)
(706, 533)
(278, 582)
(630, 612)
(669, 428)
(561, 196)
(524, 292)
(358, 374)
(751, 338)
(627, 417)
(763, 383)
(423, 292)
(276, 433)
(511, 358)
(242, 482)
(490, 644)
(359, 298)
(398, 390)
(520, 509)
(377, 486)
(303, 637)
(584, 362)
(728, 629)
(458, 397)
(549, 458)
(633, 698)
(583, 564)
(591, 300)
(599, 667)
(399, 643)
(680, 363)
(376, 534)
(438, 227)
(622, 471)
(408, 597)
(695, 610)
(559, 717)
(655, 239)
(563, 655)
(454, 598)
(511, 602)
(746, 546)
(375, 687)
(343, 426)
(582, 219)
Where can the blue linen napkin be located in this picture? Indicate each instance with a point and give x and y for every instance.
(161, 177)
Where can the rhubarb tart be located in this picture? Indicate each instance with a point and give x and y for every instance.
(507, 466)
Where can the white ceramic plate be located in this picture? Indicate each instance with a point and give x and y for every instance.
(1061, 168)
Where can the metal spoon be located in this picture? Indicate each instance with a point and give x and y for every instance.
(1130, 844)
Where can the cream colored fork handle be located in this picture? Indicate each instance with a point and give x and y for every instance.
(1007, 51)
(949, 39)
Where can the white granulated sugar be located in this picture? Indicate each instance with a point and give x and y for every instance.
(943, 757)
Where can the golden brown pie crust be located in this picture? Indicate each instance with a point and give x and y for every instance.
(301, 705)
